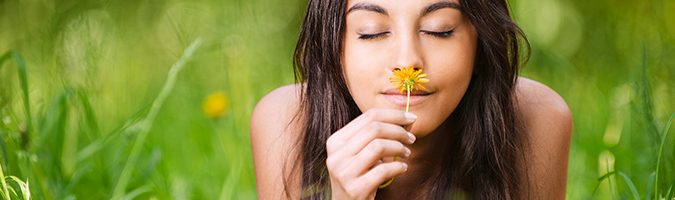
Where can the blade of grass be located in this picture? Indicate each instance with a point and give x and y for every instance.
(658, 160)
(650, 184)
(633, 190)
(49, 142)
(4, 184)
(89, 114)
(77, 175)
(4, 57)
(39, 174)
(602, 178)
(4, 151)
(23, 78)
(11, 189)
(2, 142)
(25, 190)
(133, 194)
(103, 141)
(53, 125)
(611, 190)
(122, 182)
(669, 192)
(229, 187)
(630, 184)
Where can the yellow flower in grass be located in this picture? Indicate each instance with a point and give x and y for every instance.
(408, 78)
(215, 105)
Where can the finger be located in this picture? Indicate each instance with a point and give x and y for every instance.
(375, 151)
(394, 134)
(382, 173)
(391, 116)
(357, 165)
(377, 130)
(378, 162)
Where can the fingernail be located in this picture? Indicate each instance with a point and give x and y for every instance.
(407, 152)
(410, 117)
(411, 137)
(405, 167)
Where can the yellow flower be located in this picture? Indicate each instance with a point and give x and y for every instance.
(408, 78)
(215, 105)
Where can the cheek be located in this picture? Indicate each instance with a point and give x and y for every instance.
(448, 97)
(359, 88)
(450, 68)
(361, 75)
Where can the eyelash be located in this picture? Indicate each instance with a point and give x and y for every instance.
(445, 34)
(372, 36)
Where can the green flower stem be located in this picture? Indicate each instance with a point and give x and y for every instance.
(407, 106)
(390, 180)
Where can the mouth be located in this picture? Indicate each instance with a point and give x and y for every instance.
(400, 99)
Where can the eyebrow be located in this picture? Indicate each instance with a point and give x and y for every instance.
(426, 10)
(367, 7)
(439, 5)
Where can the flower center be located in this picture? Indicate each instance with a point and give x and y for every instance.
(408, 83)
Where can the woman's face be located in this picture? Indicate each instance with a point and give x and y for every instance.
(432, 35)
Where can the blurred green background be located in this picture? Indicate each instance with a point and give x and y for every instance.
(95, 67)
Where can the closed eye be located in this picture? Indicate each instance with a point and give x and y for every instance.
(372, 36)
(440, 34)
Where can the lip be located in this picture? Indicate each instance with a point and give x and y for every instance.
(400, 99)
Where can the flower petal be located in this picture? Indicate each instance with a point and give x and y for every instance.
(420, 85)
(408, 78)
(416, 73)
(400, 73)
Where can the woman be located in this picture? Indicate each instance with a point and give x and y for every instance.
(477, 130)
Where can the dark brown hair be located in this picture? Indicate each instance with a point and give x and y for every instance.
(484, 156)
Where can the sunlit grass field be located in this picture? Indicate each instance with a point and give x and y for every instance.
(152, 99)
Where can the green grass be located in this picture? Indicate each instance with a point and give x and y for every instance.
(658, 161)
(92, 106)
(653, 179)
(150, 119)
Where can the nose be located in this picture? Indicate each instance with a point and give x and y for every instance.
(408, 52)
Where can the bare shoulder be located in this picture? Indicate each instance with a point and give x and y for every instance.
(277, 107)
(274, 129)
(539, 103)
(548, 123)
(275, 116)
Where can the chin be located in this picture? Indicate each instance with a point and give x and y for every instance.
(430, 120)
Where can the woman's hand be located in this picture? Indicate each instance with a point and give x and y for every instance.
(355, 152)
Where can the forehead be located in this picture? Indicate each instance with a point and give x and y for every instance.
(410, 8)
(386, 7)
